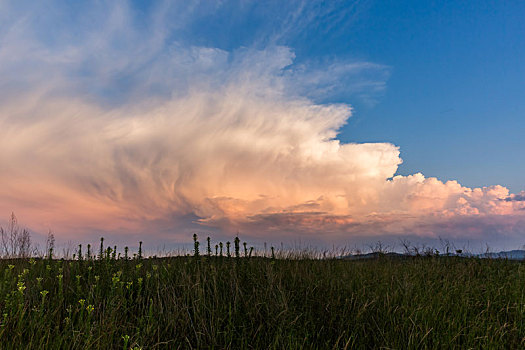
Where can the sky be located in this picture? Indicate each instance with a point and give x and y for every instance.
(325, 123)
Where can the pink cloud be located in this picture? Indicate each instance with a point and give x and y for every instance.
(230, 145)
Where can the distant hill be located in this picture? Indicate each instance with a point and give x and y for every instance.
(373, 255)
(511, 255)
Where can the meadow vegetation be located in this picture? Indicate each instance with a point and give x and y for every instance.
(234, 299)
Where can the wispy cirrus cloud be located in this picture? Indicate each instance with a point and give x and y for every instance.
(120, 122)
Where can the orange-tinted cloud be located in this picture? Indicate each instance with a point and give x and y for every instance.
(231, 144)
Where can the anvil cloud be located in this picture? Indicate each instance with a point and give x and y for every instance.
(112, 129)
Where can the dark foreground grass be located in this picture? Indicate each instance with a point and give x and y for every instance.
(213, 302)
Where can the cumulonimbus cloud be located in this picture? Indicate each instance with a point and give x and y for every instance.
(222, 139)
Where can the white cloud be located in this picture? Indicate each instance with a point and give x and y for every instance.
(121, 131)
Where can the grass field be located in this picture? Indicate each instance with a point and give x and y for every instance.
(256, 302)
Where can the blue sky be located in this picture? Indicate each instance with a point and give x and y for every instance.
(454, 100)
(337, 121)
(453, 90)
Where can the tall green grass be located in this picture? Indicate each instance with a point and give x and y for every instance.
(255, 302)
